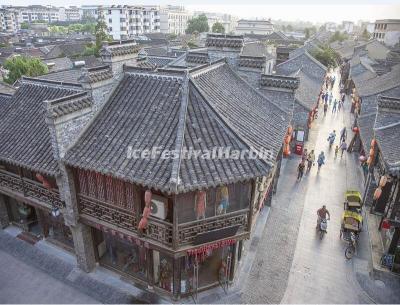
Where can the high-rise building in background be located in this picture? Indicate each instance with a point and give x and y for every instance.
(9, 22)
(173, 19)
(125, 21)
(387, 31)
(255, 26)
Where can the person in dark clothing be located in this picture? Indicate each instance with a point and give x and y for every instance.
(300, 170)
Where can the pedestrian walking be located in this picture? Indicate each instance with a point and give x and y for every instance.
(304, 155)
(325, 108)
(321, 160)
(330, 98)
(326, 97)
(310, 160)
(334, 106)
(343, 134)
(300, 170)
(339, 106)
(343, 147)
(336, 151)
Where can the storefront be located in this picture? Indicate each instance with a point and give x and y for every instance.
(39, 223)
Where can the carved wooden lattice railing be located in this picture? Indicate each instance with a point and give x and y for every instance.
(30, 189)
(158, 230)
(187, 232)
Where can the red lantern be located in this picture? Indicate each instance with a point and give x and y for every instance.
(373, 142)
(355, 129)
(371, 152)
(385, 224)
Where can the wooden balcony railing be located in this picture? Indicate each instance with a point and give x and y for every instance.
(31, 190)
(158, 230)
(187, 232)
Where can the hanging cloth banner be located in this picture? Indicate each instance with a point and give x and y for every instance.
(204, 249)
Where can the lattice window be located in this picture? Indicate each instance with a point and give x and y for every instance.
(101, 191)
(119, 193)
(83, 188)
(92, 187)
(110, 190)
(130, 196)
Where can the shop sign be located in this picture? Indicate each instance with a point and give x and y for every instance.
(121, 235)
(210, 247)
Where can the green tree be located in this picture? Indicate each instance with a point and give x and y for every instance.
(365, 34)
(23, 66)
(218, 28)
(327, 56)
(101, 33)
(338, 37)
(24, 26)
(199, 24)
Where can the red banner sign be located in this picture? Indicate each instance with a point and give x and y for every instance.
(217, 245)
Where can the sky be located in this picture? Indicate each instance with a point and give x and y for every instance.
(288, 10)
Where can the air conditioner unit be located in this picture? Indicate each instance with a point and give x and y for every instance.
(159, 207)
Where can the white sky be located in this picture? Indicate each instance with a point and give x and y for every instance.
(289, 10)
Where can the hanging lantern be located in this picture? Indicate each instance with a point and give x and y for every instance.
(287, 139)
(377, 193)
(371, 152)
(362, 158)
(290, 130)
(385, 224)
(383, 181)
(369, 160)
(355, 129)
(46, 183)
(373, 142)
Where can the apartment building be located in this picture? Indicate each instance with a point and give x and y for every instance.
(128, 21)
(255, 26)
(348, 26)
(34, 13)
(9, 21)
(387, 31)
(228, 21)
(71, 13)
(173, 19)
(89, 12)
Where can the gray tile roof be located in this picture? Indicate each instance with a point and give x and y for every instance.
(381, 83)
(366, 125)
(159, 61)
(308, 91)
(255, 49)
(304, 61)
(227, 41)
(67, 76)
(149, 110)
(58, 64)
(5, 101)
(120, 48)
(261, 122)
(24, 134)
(95, 74)
(6, 88)
(387, 130)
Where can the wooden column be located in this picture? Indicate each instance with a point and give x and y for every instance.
(4, 219)
(84, 247)
(150, 269)
(177, 278)
(175, 235)
(253, 193)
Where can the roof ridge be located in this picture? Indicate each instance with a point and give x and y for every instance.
(41, 81)
(180, 135)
